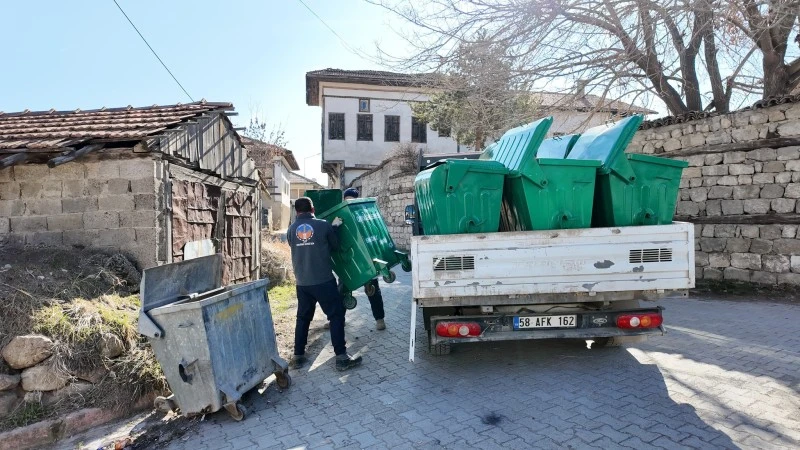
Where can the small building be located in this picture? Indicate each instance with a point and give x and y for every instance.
(301, 184)
(574, 112)
(365, 114)
(147, 182)
(275, 164)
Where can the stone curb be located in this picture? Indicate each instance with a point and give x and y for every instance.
(51, 431)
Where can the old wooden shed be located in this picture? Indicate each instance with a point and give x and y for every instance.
(141, 181)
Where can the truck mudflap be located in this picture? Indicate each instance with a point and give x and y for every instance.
(562, 325)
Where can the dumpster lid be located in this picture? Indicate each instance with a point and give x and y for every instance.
(607, 143)
(169, 283)
(518, 146)
(658, 160)
(325, 215)
(557, 147)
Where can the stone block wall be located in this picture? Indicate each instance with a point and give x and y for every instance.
(105, 204)
(741, 189)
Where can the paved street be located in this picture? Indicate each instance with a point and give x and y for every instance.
(727, 375)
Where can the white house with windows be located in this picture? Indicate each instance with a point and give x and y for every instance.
(365, 114)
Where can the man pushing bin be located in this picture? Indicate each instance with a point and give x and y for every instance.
(311, 241)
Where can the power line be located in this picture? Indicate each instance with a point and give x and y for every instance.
(341, 39)
(151, 49)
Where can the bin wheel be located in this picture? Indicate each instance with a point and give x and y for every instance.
(283, 379)
(369, 289)
(390, 278)
(237, 411)
(350, 302)
(406, 265)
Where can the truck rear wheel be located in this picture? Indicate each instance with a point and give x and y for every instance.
(440, 349)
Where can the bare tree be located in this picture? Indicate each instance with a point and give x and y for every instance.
(693, 55)
(479, 96)
(257, 129)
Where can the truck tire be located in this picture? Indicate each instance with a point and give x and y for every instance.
(440, 349)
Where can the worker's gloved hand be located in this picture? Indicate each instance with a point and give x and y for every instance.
(337, 221)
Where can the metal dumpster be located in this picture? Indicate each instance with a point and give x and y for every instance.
(366, 248)
(543, 194)
(213, 343)
(631, 189)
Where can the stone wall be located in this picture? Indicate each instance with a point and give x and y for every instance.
(741, 189)
(106, 204)
(394, 189)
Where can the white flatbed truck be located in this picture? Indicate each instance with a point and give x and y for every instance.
(596, 284)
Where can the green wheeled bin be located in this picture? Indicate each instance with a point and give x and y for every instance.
(366, 247)
(324, 199)
(557, 147)
(546, 193)
(459, 196)
(632, 189)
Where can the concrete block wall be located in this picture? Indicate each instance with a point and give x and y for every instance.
(759, 187)
(107, 204)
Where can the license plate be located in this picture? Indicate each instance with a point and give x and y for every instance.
(523, 323)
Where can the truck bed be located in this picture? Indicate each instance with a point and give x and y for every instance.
(591, 264)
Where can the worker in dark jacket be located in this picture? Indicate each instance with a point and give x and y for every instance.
(376, 299)
(311, 241)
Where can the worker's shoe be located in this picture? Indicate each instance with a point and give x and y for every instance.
(380, 324)
(298, 361)
(344, 362)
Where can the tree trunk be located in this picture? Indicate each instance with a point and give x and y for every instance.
(776, 75)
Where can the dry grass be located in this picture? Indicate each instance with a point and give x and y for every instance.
(406, 158)
(276, 260)
(75, 297)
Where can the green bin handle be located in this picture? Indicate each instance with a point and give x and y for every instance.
(467, 224)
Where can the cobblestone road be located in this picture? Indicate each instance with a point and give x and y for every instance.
(727, 375)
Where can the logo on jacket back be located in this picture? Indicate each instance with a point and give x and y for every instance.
(304, 232)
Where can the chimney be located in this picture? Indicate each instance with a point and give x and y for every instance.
(580, 88)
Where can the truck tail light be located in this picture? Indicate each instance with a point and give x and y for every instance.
(647, 320)
(458, 329)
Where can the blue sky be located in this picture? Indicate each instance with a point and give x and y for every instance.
(84, 54)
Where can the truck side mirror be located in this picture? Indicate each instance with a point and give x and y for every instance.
(410, 215)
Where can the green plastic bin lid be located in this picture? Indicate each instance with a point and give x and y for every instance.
(658, 160)
(557, 147)
(459, 168)
(488, 152)
(607, 143)
(568, 162)
(518, 146)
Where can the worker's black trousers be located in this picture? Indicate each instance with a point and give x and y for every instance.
(330, 300)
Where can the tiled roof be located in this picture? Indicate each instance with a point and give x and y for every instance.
(54, 130)
(297, 178)
(373, 77)
(262, 153)
(588, 102)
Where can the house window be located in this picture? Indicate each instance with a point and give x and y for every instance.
(364, 127)
(363, 105)
(444, 132)
(336, 126)
(419, 131)
(391, 131)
